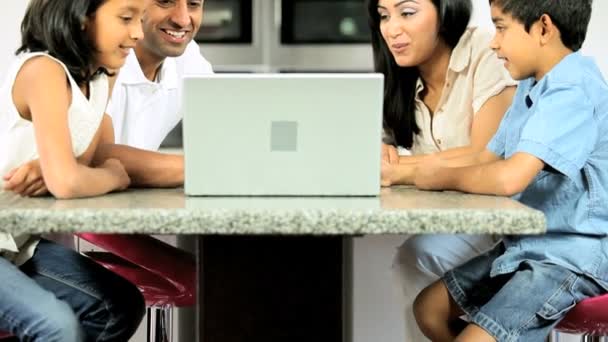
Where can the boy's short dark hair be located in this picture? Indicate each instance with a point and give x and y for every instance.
(55, 26)
(570, 16)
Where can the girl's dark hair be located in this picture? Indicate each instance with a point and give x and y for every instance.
(400, 82)
(56, 27)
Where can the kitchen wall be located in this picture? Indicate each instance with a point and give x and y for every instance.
(12, 13)
(598, 28)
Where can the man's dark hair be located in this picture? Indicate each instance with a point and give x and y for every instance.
(570, 16)
(56, 27)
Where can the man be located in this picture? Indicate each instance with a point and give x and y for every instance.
(145, 100)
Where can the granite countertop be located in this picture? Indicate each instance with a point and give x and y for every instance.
(397, 210)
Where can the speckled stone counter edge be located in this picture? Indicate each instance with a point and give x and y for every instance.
(276, 222)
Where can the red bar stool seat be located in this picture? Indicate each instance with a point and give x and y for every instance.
(165, 275)
(588, 318)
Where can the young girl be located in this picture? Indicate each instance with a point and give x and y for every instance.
(445, 93)
(52, 109)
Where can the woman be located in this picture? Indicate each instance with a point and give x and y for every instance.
(445, 94)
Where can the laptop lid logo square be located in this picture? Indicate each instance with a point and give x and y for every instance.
(284, 136)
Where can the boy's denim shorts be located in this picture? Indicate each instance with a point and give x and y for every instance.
(521, 306)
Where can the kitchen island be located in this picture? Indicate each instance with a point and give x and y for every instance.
(272, 268)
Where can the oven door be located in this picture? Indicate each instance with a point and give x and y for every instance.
(321, 36)
(230, 34)
(324, 22)
(226, 22)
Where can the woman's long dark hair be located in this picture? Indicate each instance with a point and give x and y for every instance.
(400, 83)
(56, 27)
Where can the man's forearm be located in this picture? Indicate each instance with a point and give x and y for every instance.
(146, 168)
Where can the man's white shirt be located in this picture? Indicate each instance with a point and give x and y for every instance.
(144, 112)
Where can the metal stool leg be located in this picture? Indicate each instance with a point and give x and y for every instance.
(148, 324)
(166, 321)
(160, 324)
(554, 337)
(593, 339)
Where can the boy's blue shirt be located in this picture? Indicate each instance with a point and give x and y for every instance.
(562, 120)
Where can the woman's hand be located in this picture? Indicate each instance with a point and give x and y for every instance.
(388, 173)
(390, 154)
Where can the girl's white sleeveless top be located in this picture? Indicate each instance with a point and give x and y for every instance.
(18, 143)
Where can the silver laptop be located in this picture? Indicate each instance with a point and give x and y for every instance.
(282, 134)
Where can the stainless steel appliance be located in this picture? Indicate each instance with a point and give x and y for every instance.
(286, 35)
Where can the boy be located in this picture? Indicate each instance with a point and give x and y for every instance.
(551, 153)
